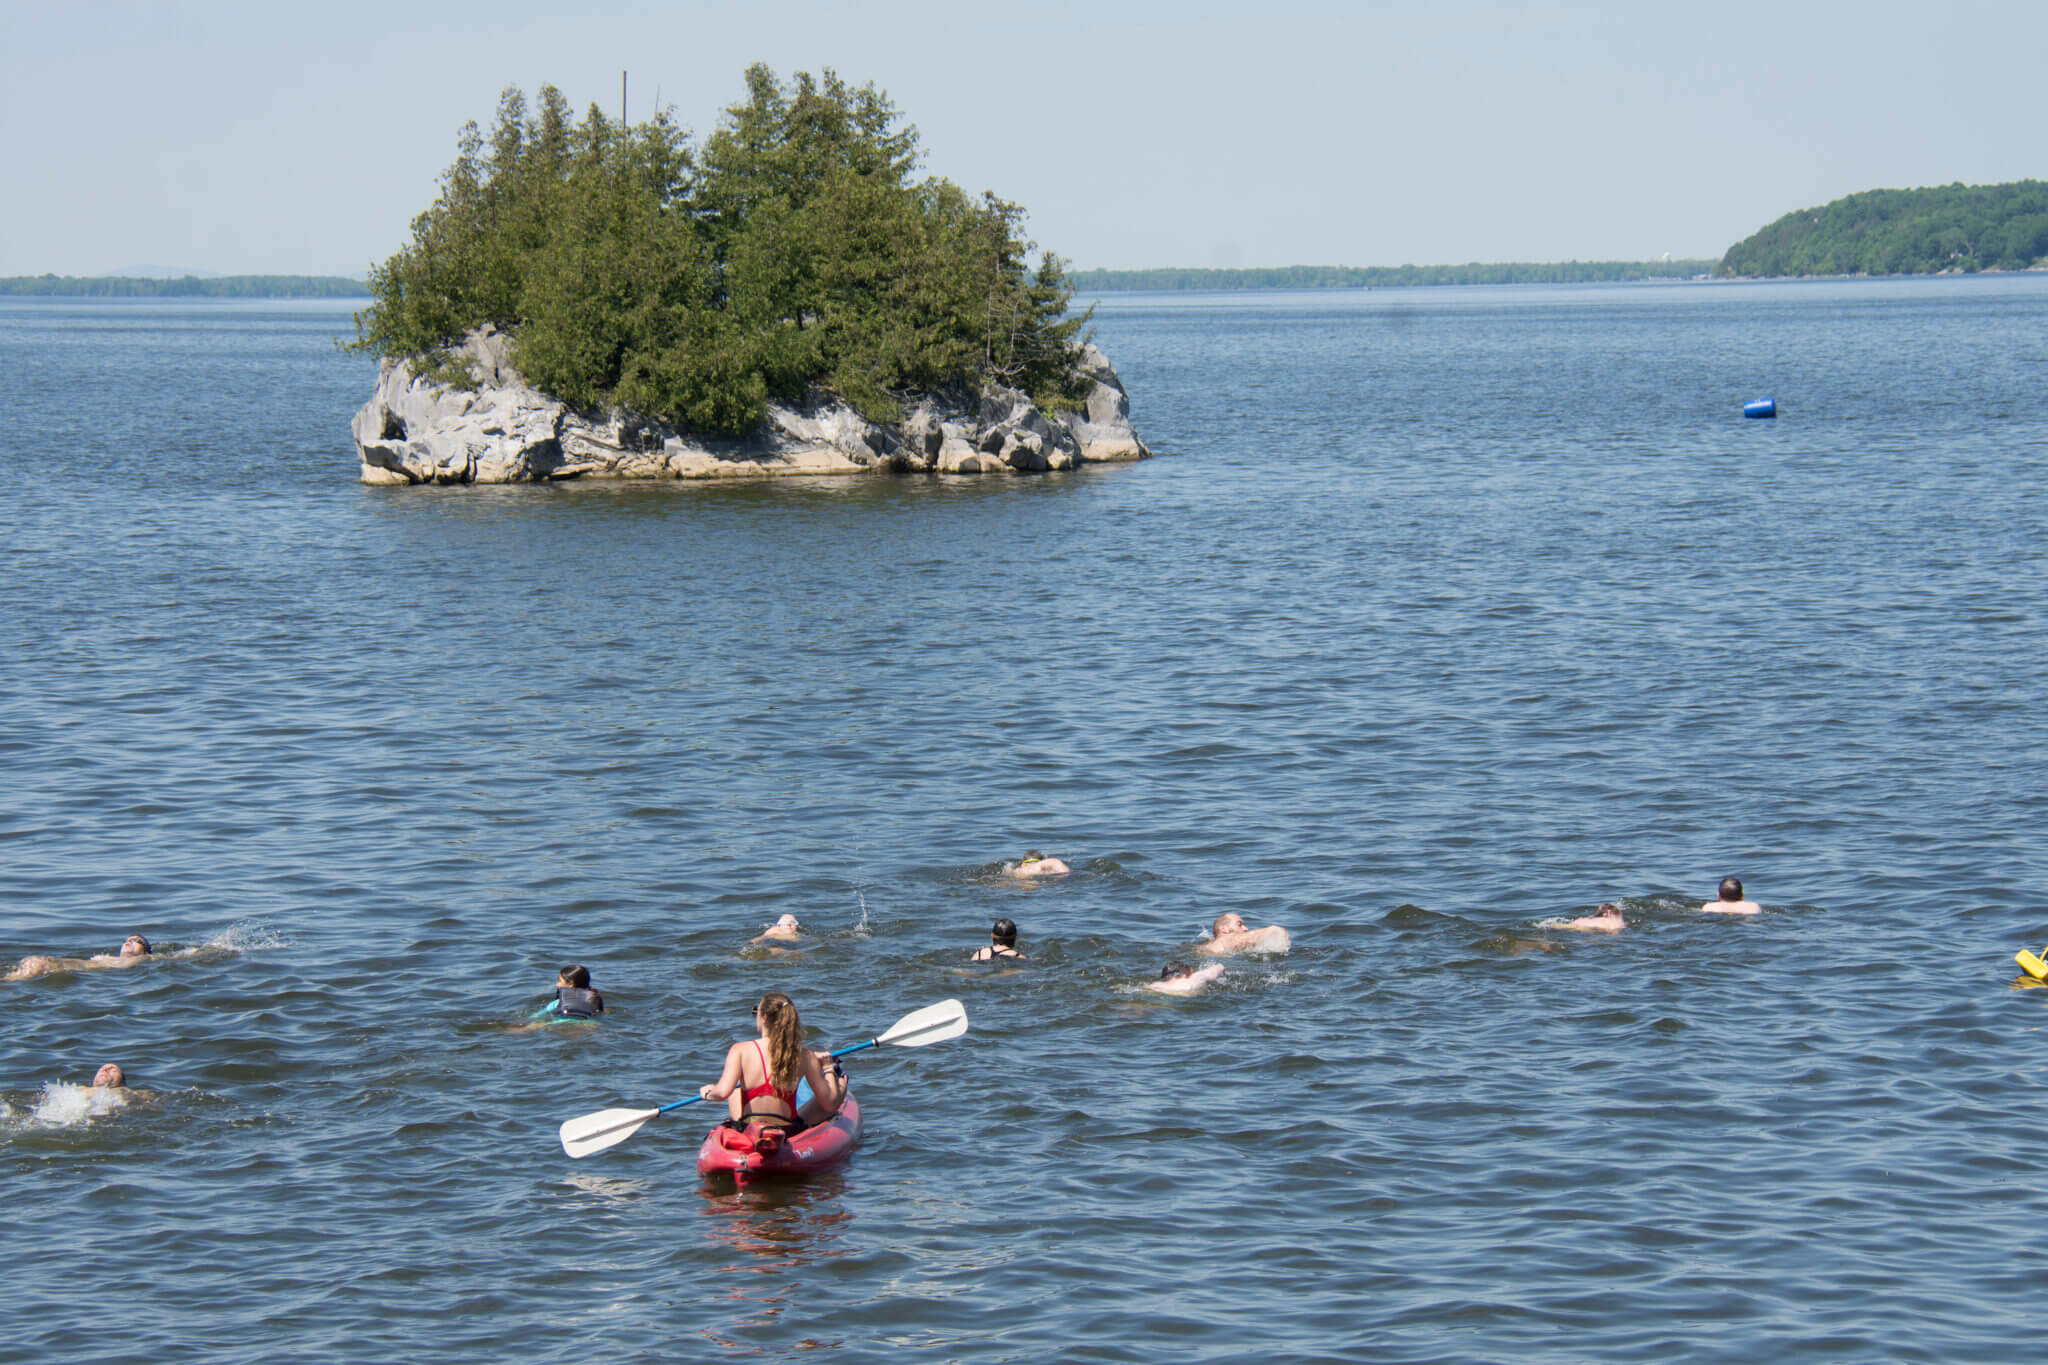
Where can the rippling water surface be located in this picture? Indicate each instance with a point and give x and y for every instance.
(1444, 612)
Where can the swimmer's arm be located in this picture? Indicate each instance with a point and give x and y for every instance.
(36, 965)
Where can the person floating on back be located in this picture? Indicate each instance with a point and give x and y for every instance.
(1036, 864)
(133, 952)
(574, 998)
(1228, 935)
(1180, 979)
(1002, 943)
(1606, 920)
(1731, 901)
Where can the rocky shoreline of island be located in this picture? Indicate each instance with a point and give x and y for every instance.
(432, 428)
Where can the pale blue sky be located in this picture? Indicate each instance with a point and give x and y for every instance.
(274, 138)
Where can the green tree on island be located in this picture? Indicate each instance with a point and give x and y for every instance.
(794, 250)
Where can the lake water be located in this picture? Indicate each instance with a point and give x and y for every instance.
(1441, 613)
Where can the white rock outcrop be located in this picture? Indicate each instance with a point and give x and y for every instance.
(419, 429)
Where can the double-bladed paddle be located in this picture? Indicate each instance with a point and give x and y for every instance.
(592, 1133)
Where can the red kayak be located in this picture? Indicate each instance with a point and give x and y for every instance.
(754, 1154)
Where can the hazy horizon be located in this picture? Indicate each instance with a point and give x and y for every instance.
(233, 138)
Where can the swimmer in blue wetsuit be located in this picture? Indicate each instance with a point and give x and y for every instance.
(574, 999)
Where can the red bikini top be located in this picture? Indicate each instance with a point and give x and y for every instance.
(767, 1085)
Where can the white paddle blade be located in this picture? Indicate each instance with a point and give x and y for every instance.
(932, 1024)
(593, 1133)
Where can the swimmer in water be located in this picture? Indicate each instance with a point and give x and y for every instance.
(1606, 920)
(1731, 901)
(1229, 935)
(1181, 979)
(1002, 943)
(574, 998)
(134, 950)
(1036, 864)
(784, 930)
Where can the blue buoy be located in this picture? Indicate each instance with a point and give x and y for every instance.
(1760, 407)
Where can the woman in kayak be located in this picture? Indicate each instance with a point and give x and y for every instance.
(760, 1078)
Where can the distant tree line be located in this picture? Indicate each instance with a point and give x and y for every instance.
(1904, 232)
(793, 250)
(190, 286)
(1386, 276)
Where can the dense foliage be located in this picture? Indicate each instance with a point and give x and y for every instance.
(1904, 232)
(188, 286)
(1385, 276)
(793, 249)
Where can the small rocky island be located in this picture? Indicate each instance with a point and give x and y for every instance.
(594, 299)
(503, 430)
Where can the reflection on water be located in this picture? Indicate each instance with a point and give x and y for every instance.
(764, 1240)
(778, 1224)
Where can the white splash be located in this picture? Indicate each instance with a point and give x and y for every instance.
(864, 929)
(248, 936)
(64, 1105)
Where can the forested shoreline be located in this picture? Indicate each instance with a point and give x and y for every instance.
(1962, 228)
(186, 286)
(1170, 279)
(773, 145)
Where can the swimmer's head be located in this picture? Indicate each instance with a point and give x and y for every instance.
(1731, 888)
(789, 922)
(135, 945)
(1610, 909)
(1004, 933)
(1175, 970)
(109, 1077)
(576, 975)
(1228, 922)
(1033, 856)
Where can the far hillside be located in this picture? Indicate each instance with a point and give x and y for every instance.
(1385, 276)
(1904, 232)
(186, 287)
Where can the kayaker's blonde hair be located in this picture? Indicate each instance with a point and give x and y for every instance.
(785, 1032)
